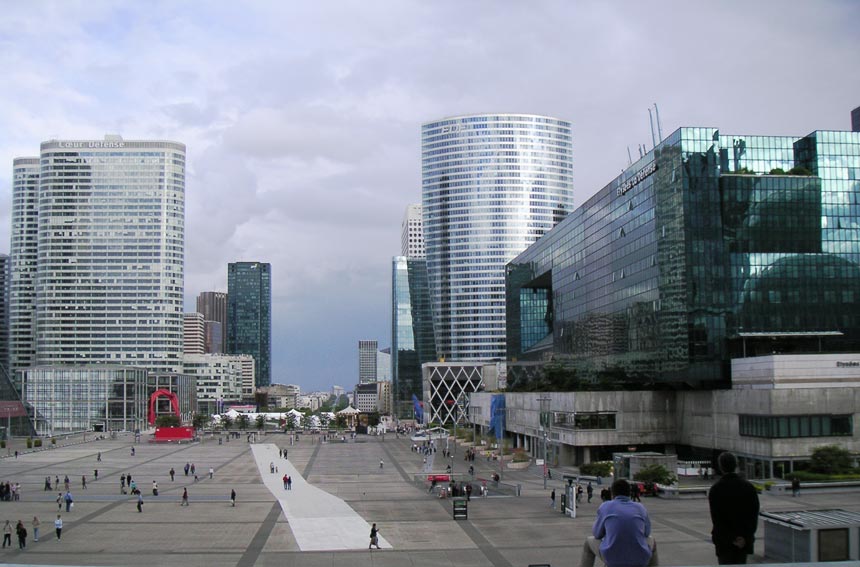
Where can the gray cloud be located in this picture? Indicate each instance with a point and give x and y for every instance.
(303, 122)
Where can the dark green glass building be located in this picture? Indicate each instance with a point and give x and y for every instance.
(710, 247)
(249, 315)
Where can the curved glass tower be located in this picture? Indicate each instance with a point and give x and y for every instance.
(492, 184)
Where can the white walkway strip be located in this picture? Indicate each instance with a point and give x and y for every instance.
(319, 520)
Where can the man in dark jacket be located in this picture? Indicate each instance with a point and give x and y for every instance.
(734, 513)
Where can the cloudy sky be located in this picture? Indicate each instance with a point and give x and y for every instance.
(302, 118)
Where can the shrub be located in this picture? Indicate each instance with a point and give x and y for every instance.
(656, 473)
(167, 420)
(799, 171)
(37, 442)
(819, 477)
(830, 459)
(53, 440)
(3, 444)
(29, 442)
(520, 456)
(598, 468)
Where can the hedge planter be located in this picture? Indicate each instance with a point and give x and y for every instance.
(519, 466)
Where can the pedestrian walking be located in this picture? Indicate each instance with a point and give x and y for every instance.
(552, 499)
(36, 524)
(589, 490)
(7, 534)
(374, 538)
(139, 502)
(83, 482)
(69, 501)
(289, 483)
(58, 526)
(233, 498)
(285, 481)
(22, 535)
(59, 501)
(154, 488)
(192, 468)
(172, 474)
(187, 466)
(48, 484)
(184, 497)
(132, 450)
(381, 463)
(99, 457)
(211, 472)
(95, 474)
(795, 487)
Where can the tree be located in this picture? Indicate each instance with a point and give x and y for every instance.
(242, 421)
(199, 421)
(167, 421)
(340, 421)
(655, 473)
(777, 171)
(830, 459)
(261, 422)
(373, 419)
(227, 422)
(799, 171)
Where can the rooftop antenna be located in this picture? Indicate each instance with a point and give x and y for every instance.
(659, 126)
(651, 120)
(629, 158)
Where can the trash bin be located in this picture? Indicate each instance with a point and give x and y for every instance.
(461, 508)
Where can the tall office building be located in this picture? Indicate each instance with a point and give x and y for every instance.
(367, 361)
(193, 336)
(5, 275)
(492, 184)
(855, 120)
(249, 315)
(98, 250)
(213, 306)
(23, 257)
(412, 342)
(412, 233)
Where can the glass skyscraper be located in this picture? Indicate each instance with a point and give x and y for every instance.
(412, 342)
(249, 315)
(711, 247)
(98, 251)
(492, 184)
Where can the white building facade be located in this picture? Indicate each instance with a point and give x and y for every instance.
(412, 232)
(492, 184)
(220, 378)
(102, 281)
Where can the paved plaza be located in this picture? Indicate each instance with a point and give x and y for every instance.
(338, 490)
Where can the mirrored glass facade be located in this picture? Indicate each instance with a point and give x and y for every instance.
(249, 315)
(492, 184)
(411, 331)
(712, 246)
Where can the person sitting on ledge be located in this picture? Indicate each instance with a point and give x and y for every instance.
(622, 533)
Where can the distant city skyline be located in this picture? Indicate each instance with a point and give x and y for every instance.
(302, 123)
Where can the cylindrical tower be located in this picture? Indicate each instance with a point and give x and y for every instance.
(492, 184)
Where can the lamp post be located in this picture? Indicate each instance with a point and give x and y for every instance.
(544, 426)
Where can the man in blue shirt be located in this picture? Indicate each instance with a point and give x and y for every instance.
(622, 533)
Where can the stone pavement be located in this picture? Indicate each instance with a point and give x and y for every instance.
(104, 528)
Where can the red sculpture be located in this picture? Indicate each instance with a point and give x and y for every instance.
(174, 403)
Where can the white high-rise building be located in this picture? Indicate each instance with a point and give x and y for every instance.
(193, 335)
(23, 257)
(102, 280)
(412, 233)
(492, 184)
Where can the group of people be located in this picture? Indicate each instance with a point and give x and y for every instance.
(21, 531)
(10, 491)
(621, 534)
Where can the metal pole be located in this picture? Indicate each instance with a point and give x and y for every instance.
(545, 466)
